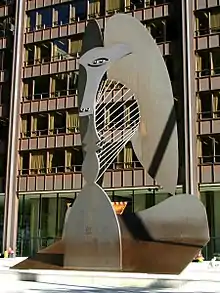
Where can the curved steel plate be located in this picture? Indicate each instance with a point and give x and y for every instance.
(145, 73)
(178, 219)
(92, 237)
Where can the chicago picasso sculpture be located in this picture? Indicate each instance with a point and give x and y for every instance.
(126, 67)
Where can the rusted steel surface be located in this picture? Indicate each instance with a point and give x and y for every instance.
(161, 239)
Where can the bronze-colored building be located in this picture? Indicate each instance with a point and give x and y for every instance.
(40, 147)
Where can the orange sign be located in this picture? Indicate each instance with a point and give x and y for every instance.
(119, 207)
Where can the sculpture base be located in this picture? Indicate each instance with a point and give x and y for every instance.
(161, 240)
(50, 258)
(150, 257)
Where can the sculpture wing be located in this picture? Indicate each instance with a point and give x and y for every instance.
(145, 73)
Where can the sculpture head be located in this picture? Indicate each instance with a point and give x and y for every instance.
(96, 62)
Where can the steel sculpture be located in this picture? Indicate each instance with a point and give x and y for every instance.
(126, 67)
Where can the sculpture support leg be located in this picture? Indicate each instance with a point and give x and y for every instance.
(92, 232)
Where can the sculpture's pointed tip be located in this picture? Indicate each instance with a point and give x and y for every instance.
(92, 37)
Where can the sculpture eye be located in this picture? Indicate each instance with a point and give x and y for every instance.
(98, 62)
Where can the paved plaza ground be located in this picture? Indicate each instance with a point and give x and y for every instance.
(196, 278)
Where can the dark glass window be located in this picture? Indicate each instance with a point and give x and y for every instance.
(60, 84)
(31, 24)
(73, 82)
(60, 48)
(45, 18)
(41, 87)
(77, 158)
(207, 150)
(59, 122)
(136, 4)
(202, 19)
(5, 60)
(206, 105)
(25, 163)
(217, 149)
(4, 93)
(3, 130)
(116, 116)
(80, 9)
(63, 14)
(216, 61)
(2, 165)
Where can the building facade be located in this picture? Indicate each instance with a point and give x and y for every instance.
(40, 147)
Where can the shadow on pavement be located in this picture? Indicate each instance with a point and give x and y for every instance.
(154, 287)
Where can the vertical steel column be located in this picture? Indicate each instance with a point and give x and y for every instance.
(191, 185)
(11, 199)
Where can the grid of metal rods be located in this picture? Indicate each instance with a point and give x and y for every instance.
(114, 133)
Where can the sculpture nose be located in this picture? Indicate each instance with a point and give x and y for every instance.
(90, 93)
